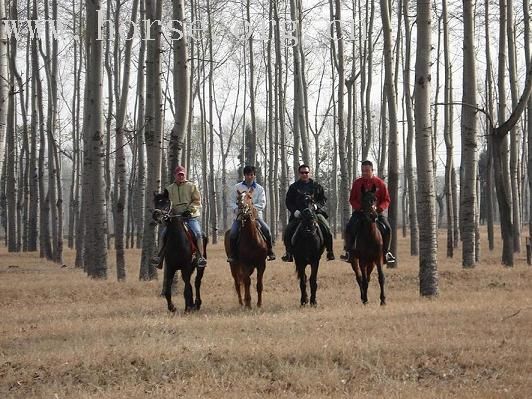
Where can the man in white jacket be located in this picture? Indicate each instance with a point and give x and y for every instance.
(259, 202)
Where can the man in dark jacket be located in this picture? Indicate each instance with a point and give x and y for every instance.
(295, 202)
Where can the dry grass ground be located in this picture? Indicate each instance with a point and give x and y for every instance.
(64, 335)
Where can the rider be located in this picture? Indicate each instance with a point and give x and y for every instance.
(259, 202)
(186, 201)
(368, 180)
(295, 202)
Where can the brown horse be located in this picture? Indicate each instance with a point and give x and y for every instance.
(367, 248)
(251, 251)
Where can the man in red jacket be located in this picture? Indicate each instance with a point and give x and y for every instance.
(368, 180)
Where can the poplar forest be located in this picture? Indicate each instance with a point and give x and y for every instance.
(100, 101)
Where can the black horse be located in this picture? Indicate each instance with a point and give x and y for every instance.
(308, 246)
(179, 253)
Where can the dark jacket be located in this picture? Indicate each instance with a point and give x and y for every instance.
(295, 200)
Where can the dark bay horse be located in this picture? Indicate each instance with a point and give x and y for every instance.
(178, 254)
(307, 247)
(367, 248)
(251, 251)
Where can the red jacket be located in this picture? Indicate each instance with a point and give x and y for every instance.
(383, 197)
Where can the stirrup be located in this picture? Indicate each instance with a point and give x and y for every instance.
(330, 255)
(287, 257)
(389, 258)
(157, 261)
(202, 262)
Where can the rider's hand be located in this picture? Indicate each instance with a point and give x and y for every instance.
(380, 210)
(186, 214)
(315, 207)
(297, 214)
(156, 215)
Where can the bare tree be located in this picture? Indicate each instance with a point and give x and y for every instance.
(153, 128)
(428, 262)
(95, 249)
(409, 169)
(3, 82)
(469, 142)
(393, 143)
(181, 88)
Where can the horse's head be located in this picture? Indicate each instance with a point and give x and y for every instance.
(244, 202)
(162, 205)
(308, 214)
(369, 203)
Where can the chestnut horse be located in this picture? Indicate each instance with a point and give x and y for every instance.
(307, 248)
(367, 248)
(251, 250)
(179, 254)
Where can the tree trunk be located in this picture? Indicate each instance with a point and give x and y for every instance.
(152, 135)
(428, 262)
(469, 142)
(489, 101)
(409, 169)
(514, 133)
(181, 89)
(3, 83)
(393, 143)
(95, 253)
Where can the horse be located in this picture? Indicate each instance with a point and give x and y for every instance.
(307, 248)
(251, 252)
(367, 248)
(179, 254)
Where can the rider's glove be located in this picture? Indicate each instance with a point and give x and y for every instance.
(297, 214)
(187, 214)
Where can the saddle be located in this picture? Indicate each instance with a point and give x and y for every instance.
(296, 231)
(257, 226)
(191, 238)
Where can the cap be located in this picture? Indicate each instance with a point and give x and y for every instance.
(180, 169)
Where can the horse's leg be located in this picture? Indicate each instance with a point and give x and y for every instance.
(381, 283)
(302, 275)
(364, 270)
(169, 278)
(187, 293)
(355, 265)
(314, 282)
(197, 285)
(247, 289)
(236, 278)
(260, 275)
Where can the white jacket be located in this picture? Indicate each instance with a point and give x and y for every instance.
(259, 196)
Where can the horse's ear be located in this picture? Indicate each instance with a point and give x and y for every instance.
(238, 192)
(251, 190)
(374, 188)
(155, 193)
(166, 193)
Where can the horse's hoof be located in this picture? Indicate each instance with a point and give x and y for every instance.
(198, 305)
(313, 304)
(383, 303)
(172, 309)
(304, 302)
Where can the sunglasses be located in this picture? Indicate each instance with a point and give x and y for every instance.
(304, 173)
